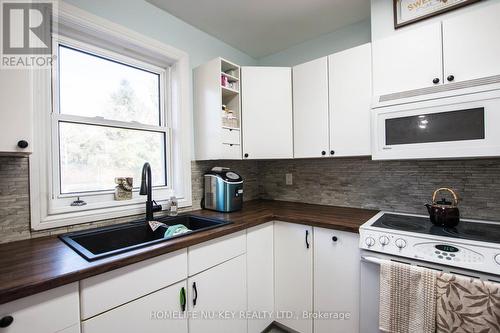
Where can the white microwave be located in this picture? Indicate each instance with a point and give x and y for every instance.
(453, 127)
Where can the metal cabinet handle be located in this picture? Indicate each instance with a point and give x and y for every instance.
(195, 296)
(307, 238)
(182, 299)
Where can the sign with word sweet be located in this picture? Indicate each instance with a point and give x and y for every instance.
(411, 11)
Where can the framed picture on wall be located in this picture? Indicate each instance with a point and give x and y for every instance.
(411, 11)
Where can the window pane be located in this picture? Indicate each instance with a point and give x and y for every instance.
(92, 156)
(91, 86)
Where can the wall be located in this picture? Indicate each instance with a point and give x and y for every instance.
(382, 17)
(403, 186)
(342, 39)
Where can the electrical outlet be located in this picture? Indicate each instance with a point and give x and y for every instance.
(288, 179)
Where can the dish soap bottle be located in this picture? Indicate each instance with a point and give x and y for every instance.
(173, 206)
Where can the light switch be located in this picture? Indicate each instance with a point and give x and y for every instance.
(288, 179)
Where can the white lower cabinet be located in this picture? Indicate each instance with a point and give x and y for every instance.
(260, 277)
(217, 297)
(293, 246)
(50, 311)
(336, 280)
(158, 312)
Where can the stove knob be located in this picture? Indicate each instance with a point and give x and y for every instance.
(384, 240)
(369, 241)
(401, 243)
(497, 258)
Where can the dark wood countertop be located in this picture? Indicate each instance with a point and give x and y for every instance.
(31, 266)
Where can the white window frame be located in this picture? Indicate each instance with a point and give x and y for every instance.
(89, 33)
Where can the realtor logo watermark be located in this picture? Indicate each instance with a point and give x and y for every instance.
(26, 34)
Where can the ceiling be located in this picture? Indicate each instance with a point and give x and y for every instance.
(263, 27)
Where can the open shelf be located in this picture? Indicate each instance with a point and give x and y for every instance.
(230, 78)
(228, 91)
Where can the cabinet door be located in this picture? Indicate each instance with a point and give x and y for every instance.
(157, 312)
(336, 280)
(260, 272)
(408, 60)
(469, 51)
(216, 295)
(293, 274)
(267, 112)
(350, 101)
(310, 109)
(16, 118)
(47, 312)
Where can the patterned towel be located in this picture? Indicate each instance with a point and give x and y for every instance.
(467, 305)
(407, 298)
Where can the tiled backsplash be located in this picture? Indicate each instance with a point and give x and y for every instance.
(14, 197)
(357, 182)
(403, 186)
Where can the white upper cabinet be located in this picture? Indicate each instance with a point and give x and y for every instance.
(350, 99)
(16, 115)
(310, 109)
(469, 50)
(216, 105)
(408, 60)
(267, 112)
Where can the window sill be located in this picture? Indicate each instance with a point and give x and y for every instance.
(99, 214)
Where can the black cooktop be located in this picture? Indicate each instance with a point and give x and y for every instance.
(483, 232)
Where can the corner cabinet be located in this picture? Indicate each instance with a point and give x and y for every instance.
(331, 99)
(293, 246)
(336, 280)
(217, 111)
(16, 112)
(267, 112)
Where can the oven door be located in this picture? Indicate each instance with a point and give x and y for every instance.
(370, 284)
(461, 126)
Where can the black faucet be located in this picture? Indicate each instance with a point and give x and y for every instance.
(147, 189)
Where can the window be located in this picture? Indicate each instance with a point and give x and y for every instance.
(109, 122)
(112, 100)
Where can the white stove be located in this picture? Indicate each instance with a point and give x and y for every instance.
(471, 249)
(472, 245)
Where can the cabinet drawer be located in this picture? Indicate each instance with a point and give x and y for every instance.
(106, 291)
(47, 312)
(230, 136)
(146, 314)
(231, 152)
(216, 251)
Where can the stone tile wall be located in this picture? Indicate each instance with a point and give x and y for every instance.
(356, 182)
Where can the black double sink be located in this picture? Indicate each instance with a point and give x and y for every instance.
(107, 241)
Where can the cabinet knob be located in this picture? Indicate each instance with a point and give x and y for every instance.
(22, 144)
(334, 238)
(323, 153)
(6, 321)
(435, 81)
(332, 152)
(450, 78)
(246, 155)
